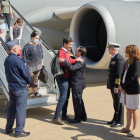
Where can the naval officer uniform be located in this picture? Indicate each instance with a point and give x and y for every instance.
(115, 71)
(18, 76)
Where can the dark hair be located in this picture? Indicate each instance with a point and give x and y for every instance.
(83, 51)
(67, 39)
(34, 34)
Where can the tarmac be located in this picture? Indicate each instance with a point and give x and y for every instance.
(99, 108)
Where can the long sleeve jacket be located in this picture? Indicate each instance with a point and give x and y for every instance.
(115, 71)
(77, 74)
(65, 55)
(17, 74)
(131, 84)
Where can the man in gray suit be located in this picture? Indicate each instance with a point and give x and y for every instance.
(77, 83)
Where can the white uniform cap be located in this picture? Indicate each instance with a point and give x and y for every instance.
(111, 44)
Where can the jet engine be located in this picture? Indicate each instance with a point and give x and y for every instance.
(99, 22)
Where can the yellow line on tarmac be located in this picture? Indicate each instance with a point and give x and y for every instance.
(95, 82)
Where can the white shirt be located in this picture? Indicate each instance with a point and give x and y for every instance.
(114, 55)
(64, 49)
(123, 80)
(3, 30)
(78, 57)
(11, 33)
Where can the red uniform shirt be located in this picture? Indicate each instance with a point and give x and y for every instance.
(67, 57)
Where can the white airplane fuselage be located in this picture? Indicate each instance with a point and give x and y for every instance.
(91, 23)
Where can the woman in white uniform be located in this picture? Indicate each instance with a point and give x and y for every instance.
(130, 89)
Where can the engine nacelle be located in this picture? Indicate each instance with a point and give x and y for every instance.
(99, 22)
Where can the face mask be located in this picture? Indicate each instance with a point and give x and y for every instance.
(36, 40)
(19, 26)
(2, 20)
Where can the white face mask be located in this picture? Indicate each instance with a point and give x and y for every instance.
(2, 20)
(36, 41)
(19, 26)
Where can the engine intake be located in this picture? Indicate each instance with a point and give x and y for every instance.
(92, 35)
(99, 22)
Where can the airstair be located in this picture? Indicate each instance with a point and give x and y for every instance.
(50, 94)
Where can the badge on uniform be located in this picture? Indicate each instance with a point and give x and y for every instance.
(113, 62)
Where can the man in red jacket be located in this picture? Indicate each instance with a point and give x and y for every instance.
(63, 82)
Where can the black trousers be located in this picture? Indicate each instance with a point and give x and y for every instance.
(118, 108)
(78, 104)
(8, 19)
(65, 106)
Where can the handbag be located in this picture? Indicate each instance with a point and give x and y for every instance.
(43, 76)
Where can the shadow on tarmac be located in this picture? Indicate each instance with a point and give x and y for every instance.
(96, 84)
(92, 127)
(97, 128)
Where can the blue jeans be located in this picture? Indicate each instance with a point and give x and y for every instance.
(17, 109)
(63, 88)
(65, 106)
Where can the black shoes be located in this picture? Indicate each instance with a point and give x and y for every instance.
(84, 119)
(74, 121)
(11, 131)
(116, 125)
(65, 118)
(111, 122)
(24, 134)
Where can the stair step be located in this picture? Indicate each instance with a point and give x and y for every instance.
(43, 95)
(3, 97)
(41, 84)
(1, 91)
(44, 90)
(46, 98)
(41, 104)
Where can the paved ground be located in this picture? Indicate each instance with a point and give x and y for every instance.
(99, 108)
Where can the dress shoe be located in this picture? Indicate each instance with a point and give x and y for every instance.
(111, 122)
(116, 125)
(11, 131)
(58, 121)
(84, 119)
(24, 134)
(132, 134)
(65, 118)
(124, 130)
(74, 121)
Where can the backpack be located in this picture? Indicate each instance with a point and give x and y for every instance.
(6, 24)
(43, 76)
(56, 69)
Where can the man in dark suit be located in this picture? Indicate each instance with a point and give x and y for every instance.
(115, 71)
(77, 83)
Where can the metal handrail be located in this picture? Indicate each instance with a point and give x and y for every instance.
(4, 86)
(34, 29)
(4, 45)
(47, 56)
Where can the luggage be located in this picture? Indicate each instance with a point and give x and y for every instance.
(43, 76)
(56, 69)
